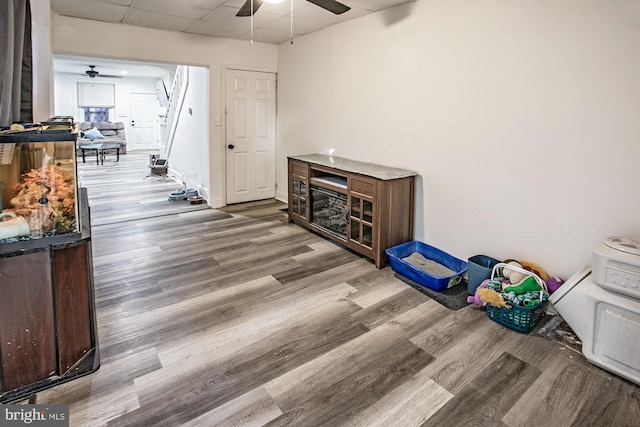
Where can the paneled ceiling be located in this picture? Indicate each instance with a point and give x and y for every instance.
(271, 23)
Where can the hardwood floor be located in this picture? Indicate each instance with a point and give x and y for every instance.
(234, 317)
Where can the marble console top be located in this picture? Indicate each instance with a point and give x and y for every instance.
(353, 166)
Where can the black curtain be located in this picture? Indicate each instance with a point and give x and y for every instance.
(16, 81)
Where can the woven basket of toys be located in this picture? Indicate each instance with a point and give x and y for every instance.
(515, 297)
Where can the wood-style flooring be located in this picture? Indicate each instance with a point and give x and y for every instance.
(234, 317)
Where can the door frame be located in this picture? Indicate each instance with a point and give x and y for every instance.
(223, 145)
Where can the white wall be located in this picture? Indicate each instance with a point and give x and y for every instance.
(189, 157)
(42, 59)
(521, 118)
(79, 37)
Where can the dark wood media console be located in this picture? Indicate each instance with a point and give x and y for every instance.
(363, 206)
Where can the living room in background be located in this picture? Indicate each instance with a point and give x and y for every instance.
(122, 93)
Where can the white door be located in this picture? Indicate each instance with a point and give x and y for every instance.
(250, 135)
(144, 131)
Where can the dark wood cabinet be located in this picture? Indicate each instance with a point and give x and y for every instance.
(73, 304)
(367, 208)
(27, 334)
(47, 315)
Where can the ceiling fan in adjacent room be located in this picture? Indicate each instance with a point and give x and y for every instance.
(330, 5)
(91, 72)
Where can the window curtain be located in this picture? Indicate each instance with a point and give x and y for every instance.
(96, 95)
(16, 81)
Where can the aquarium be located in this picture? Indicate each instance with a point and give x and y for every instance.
(38, 185)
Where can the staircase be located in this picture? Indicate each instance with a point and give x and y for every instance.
(176, 101)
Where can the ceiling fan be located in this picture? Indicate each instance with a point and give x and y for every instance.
(330, 5)
(92, 73)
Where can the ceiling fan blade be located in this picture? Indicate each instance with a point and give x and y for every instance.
(93, 73)
(331, 5)
(245, 10)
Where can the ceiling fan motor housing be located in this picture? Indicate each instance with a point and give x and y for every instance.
(91, 72)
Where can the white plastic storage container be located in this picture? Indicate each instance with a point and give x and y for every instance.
(616, 265)
(607, 323)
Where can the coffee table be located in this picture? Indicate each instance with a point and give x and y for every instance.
(101, 151)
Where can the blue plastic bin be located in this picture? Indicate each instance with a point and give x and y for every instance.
(480, 267)
(424, 278)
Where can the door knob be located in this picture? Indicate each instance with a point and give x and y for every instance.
(231, 146)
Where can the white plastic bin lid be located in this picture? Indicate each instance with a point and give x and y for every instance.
(569, 284)
(624, 244)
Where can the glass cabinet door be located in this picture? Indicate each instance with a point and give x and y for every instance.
(361, 220)
(299, 195)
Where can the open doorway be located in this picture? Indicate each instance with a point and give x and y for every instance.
(138, 103)
(106, 90)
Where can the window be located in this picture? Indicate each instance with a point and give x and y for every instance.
(96, 114)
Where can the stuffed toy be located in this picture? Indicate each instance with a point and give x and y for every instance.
(489, 296)
(527, 285)
(528, 293)
(554, 283)
(516, 277)
(475, 299)
(535, 269)
(506, 272)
